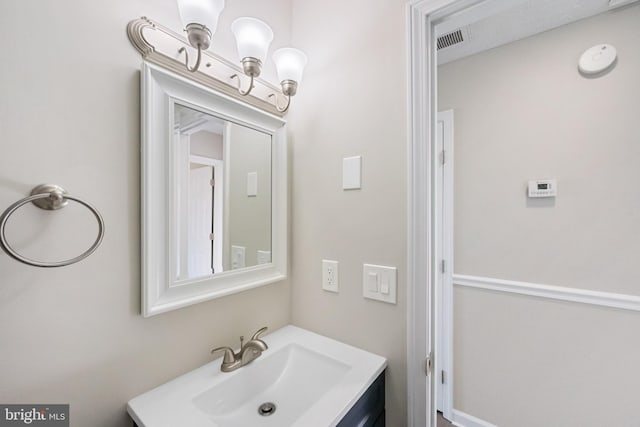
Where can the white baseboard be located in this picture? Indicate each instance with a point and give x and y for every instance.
(584, 296)
(462, 419)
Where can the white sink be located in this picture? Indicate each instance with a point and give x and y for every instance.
(311, 379)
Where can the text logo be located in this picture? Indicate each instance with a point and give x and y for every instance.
(34, 415)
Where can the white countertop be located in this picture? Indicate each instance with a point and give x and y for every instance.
(175, 404)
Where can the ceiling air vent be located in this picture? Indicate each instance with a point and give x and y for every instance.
(450, 39)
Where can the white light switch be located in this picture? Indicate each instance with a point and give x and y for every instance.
(384, 285)
(237, 257)
(330, 275)
(379, 282)
(351, 173)
(252, 184)
(373, 281)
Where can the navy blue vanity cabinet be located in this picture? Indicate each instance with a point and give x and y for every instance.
(369, 409)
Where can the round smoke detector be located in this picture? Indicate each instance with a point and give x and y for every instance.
(596, 59)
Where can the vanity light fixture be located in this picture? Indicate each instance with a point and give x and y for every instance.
(253, 38)
(200, 18)
(290, 64)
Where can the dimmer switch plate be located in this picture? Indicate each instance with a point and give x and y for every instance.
(379, 282)
(264, 257)
(330, 275)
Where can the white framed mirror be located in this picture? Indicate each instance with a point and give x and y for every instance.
(213, 190)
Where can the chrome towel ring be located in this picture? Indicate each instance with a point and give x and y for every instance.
(48, 197)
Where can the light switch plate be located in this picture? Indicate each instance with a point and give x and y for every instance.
(330, 275)
(379, 282)
(351, 173)
(252, 184)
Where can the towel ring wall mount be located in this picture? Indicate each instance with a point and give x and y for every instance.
(48, 197)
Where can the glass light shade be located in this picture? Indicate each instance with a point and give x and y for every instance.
(290, 63)
(205, 12)
(253, 38)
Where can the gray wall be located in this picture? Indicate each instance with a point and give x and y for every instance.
(523, 112)
(69, 114)
(351, 102)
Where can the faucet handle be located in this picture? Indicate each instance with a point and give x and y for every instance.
(229, 356)
(259, 332)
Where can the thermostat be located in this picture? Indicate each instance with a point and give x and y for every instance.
(543, 188)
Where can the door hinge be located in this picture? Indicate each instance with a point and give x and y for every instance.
(428, 364)
(212, 182)
(443, 158)
(443, 376)
(211, 236)
(443, 266)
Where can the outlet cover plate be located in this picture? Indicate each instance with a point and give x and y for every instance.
(330, 275)
(238, 257)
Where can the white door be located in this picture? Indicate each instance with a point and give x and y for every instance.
(444, 282)
(200, 229)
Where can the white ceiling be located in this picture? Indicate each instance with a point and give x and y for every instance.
(188, 121)
(493, 23)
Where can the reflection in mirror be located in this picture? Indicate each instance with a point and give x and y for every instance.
(223, 195)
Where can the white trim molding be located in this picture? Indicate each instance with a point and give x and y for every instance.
(462, 419)
(577, 295)
(421, 260)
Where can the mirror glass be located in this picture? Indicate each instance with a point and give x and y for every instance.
(223, 194)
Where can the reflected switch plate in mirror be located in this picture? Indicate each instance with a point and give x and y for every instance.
(264, 257)
(252, 184)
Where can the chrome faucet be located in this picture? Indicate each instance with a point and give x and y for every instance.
(249, 351)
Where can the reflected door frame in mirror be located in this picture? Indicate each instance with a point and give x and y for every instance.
(161, 292)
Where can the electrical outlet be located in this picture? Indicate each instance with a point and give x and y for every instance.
(330, 275)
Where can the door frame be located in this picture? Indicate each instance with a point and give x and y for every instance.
(421, 167)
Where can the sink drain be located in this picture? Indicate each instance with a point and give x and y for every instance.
(267, 409)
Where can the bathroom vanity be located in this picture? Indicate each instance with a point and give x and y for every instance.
(302, 380)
